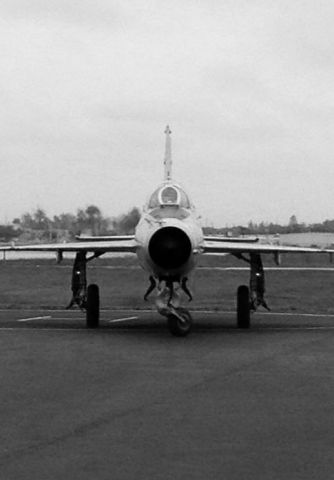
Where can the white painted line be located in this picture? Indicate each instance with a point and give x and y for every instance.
(233, 330)
(301, 328)
(197, 312)
(282, 314)
(122, 319)
(296, 269)
(264, 314)
(45, 317)
(43, 329)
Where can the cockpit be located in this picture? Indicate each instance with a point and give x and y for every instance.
(169, 195)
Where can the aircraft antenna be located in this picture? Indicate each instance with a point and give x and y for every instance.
(168, 155)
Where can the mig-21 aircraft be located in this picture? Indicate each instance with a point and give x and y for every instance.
(168, 242)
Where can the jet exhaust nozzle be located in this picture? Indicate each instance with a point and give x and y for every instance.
(170, 248)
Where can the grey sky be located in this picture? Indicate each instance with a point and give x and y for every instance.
(87, 88)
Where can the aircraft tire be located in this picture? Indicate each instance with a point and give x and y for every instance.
(243, 310)
(176, 326)
(93, 306)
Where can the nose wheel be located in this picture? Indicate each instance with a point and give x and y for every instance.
(179, 322)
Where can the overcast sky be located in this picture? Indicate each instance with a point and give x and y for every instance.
(88, 86)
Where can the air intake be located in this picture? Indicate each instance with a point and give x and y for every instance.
(170, 248)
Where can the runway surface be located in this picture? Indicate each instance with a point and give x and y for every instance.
(129, 401)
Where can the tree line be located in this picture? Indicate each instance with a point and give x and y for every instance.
(38, 226)
(271, 228)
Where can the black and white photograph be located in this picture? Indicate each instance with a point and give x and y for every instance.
(166, 239)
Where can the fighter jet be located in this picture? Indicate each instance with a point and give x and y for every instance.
(168, 242)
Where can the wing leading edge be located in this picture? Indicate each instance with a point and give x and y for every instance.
(103, 238)
(231, 239)
(129, 245)
(219, 247)
(125, 246)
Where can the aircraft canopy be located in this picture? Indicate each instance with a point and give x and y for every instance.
(169, 195)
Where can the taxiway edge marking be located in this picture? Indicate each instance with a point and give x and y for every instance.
(116, 320)
(44, 317)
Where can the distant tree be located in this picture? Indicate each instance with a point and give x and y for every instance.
(94, 219)
(328, 226)
(64, 221)
(27, 221)
(125, 224)
(293, 223)
(41, 220)
(81, 220)
(251, 227)
(8, 233)
(37, 226)
(243, 230)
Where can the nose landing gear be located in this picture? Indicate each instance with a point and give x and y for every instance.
(168, 302)
(179, 322)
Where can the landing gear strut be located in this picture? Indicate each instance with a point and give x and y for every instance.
(86, 298)
(79, 282)
(249, 299)
(185, 288)
(256, 283)
(151, 287)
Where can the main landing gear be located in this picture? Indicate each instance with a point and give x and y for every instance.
(93, 306)
(87, 298)
(243, 307)
(249, 299)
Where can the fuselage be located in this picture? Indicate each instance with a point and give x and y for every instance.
(169, 234)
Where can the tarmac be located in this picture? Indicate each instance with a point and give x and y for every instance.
(129, 401)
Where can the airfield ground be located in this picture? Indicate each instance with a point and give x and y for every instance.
(44, 284)
(129, 401)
